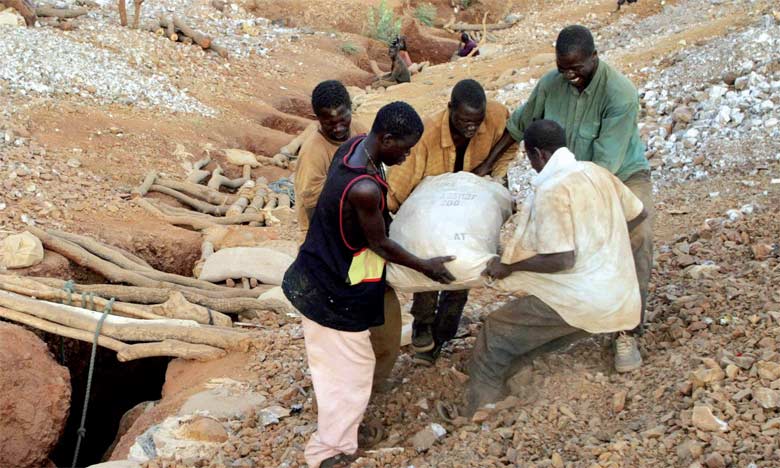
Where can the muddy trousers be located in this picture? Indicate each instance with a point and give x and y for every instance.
(641, 185)
(386, 339)
(511, 336)
(441, 310)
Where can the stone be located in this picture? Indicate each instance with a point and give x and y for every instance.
(35, 400)
(205, 429)
(701, 271)
(619, 401)
(729, 78)
(703, 419)
(766, 398)
(541, 59)
(768, 370)
(424, 439)
(221, 403)
(773, 423)
(117, 464)
(556, 460)
(703, 377)
(732, 371)
(683, 114)
(714, 460)
(741, 83)
(21, 251)
(689, 450)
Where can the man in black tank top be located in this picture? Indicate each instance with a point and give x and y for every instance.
(337, 281)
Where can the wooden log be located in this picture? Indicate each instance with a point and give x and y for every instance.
(140, 295)
(115, 273)
(218, 180)
(197, 36)
(245, 193)
(198, 176)
(186, 40)
(122, 13)
(128, 329)
(103, 251)
(137, 12)
(170, 28)
(198, 191)
(178, 307)
(61, 330)
(147, 183)
(172, 348)
(199, 222)
(223, 52)
(30, 288)
(480, 27)
(203, 207)
(51, 12)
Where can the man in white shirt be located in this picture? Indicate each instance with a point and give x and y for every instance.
(570, 254)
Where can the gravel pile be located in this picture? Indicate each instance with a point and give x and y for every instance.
(726, 91)
(44, 62)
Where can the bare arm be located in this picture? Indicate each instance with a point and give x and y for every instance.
(366, 198)
(486, 167)
(542, 263)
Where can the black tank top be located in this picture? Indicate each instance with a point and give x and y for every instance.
(318, 283)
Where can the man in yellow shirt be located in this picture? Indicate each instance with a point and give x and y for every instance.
(458, 138)
(331, 104)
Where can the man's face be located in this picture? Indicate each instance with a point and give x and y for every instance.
(394, 150)
(466, 120)
(535, 157)
(335, 122)
(577, 68)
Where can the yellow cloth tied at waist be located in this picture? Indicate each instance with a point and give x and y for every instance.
(366, 267)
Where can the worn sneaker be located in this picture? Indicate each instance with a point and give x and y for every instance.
(427, 358)
(422, 337)
(627, 357)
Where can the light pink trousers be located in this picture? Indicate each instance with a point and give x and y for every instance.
(342, 370)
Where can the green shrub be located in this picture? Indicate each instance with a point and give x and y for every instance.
(350, 48)
(426, 13)
(382, 23)
(465, 3)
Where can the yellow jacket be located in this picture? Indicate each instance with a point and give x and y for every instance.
(435, 153)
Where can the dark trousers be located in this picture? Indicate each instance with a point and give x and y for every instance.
(641, 185)
(511, 336)
(441, 310)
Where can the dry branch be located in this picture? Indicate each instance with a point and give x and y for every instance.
(197, 36)
(172, 348)
(137, 18)
(218, 180)
(223, 52)
(199, 221)
(480, 27)
(47, 11)
(198, 191)
(122, 13)
(203, 207)
(128, 329)
(147, 183)
(103, 251)
(170, 29)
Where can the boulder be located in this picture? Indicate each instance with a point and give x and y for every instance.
(35, 398)
(424, 45)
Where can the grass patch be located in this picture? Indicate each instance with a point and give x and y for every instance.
(425, 13)
(382, 23)
(350, 48)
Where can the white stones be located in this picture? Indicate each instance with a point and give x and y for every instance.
(717, 91)
(724, 115)
(766, 397)
(771, 123)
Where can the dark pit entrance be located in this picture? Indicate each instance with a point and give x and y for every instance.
(116, 388)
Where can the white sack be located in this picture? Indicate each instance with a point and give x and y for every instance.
(267, 265)
(456, 214)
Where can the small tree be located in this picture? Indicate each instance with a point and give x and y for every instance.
(425, 13)
(382, 23)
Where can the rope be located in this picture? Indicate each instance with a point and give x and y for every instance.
(69, 287)
(82, 430)
(284, 186)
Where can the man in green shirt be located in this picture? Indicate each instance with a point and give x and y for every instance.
(598, 107)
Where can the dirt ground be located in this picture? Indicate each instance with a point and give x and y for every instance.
(83, 158)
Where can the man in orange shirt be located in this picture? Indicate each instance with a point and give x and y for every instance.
(332, 105)
(459, 138)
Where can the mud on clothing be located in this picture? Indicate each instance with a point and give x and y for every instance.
(336, 280)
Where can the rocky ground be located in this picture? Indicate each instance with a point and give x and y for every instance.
(708, 73)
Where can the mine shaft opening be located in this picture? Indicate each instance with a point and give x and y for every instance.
(116, 388)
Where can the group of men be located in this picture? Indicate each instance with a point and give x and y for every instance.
(582, 251)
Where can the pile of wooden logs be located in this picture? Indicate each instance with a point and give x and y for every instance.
(209, 302)
(131, 330)
(176, 29)
(253, 202)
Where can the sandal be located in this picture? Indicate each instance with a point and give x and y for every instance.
(447, 411)
(370, 434)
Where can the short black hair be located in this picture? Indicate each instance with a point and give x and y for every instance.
(330, 94)
(546, 135)
(470, 93)
(398, 119)
(464, 37)
(575, 39)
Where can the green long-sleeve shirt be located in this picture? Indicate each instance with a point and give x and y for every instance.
(600, 122)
